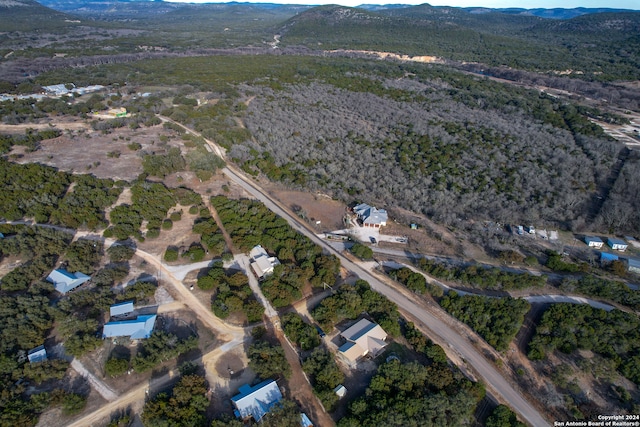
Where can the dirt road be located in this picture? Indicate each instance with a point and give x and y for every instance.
(21, 128)
(139, 393)
(96, 383)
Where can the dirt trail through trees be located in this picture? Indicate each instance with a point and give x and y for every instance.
(96, 384)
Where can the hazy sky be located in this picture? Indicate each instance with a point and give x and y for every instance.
(530, 4)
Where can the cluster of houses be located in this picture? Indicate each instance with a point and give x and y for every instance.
(139, 327)
(54, 91)
(633, 264)
(70, 89)
(136, 328)
(364, 338)
(543, 234)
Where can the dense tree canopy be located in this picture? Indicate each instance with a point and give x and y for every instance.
(568, 327)
(268, 361)
(184, 406)
(405, 395)
(482, 277)
(497, 320)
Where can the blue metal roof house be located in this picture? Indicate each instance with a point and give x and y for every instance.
(254, 402)
(64, 281)
(38, 354)
(121, 308)
(593, 241)
(617, 244)
(140, 328)
(607, 257)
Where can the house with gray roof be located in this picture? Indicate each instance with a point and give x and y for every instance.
(64, 281)
(362, 338)
(254, 402)
(371, 216)
(139, 328)
(38, 354)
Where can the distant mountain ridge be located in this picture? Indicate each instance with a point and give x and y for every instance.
(86, 7)
(24, 15)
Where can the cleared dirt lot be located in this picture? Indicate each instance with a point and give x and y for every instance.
(105, 155)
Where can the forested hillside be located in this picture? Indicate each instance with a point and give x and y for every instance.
(426, 145)
(601, 46)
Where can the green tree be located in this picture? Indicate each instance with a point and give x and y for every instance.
(268, 361)
(120, 253)
(171, 254)
(300, 332)
(502, 416)
(362, 251)
(185, 406)
(115, 366)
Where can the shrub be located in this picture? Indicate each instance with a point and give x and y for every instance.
(116, 366)
(171, 254)
(152, 233)
(120, 253)
(362, 251)
(73, 403)
(167, 224)
(195, 253)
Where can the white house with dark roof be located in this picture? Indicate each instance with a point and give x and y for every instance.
(121, 309)
(617, 244)
(38, 354)
(371, 216)
(254, 402)
(363, 338)
(139, 328)
(261, 263)
(593, 242)
(64, 281)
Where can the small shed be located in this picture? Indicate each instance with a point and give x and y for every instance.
(121, 309)
(617, 244)
(38, 354)
(593, 242)
(340, 391)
